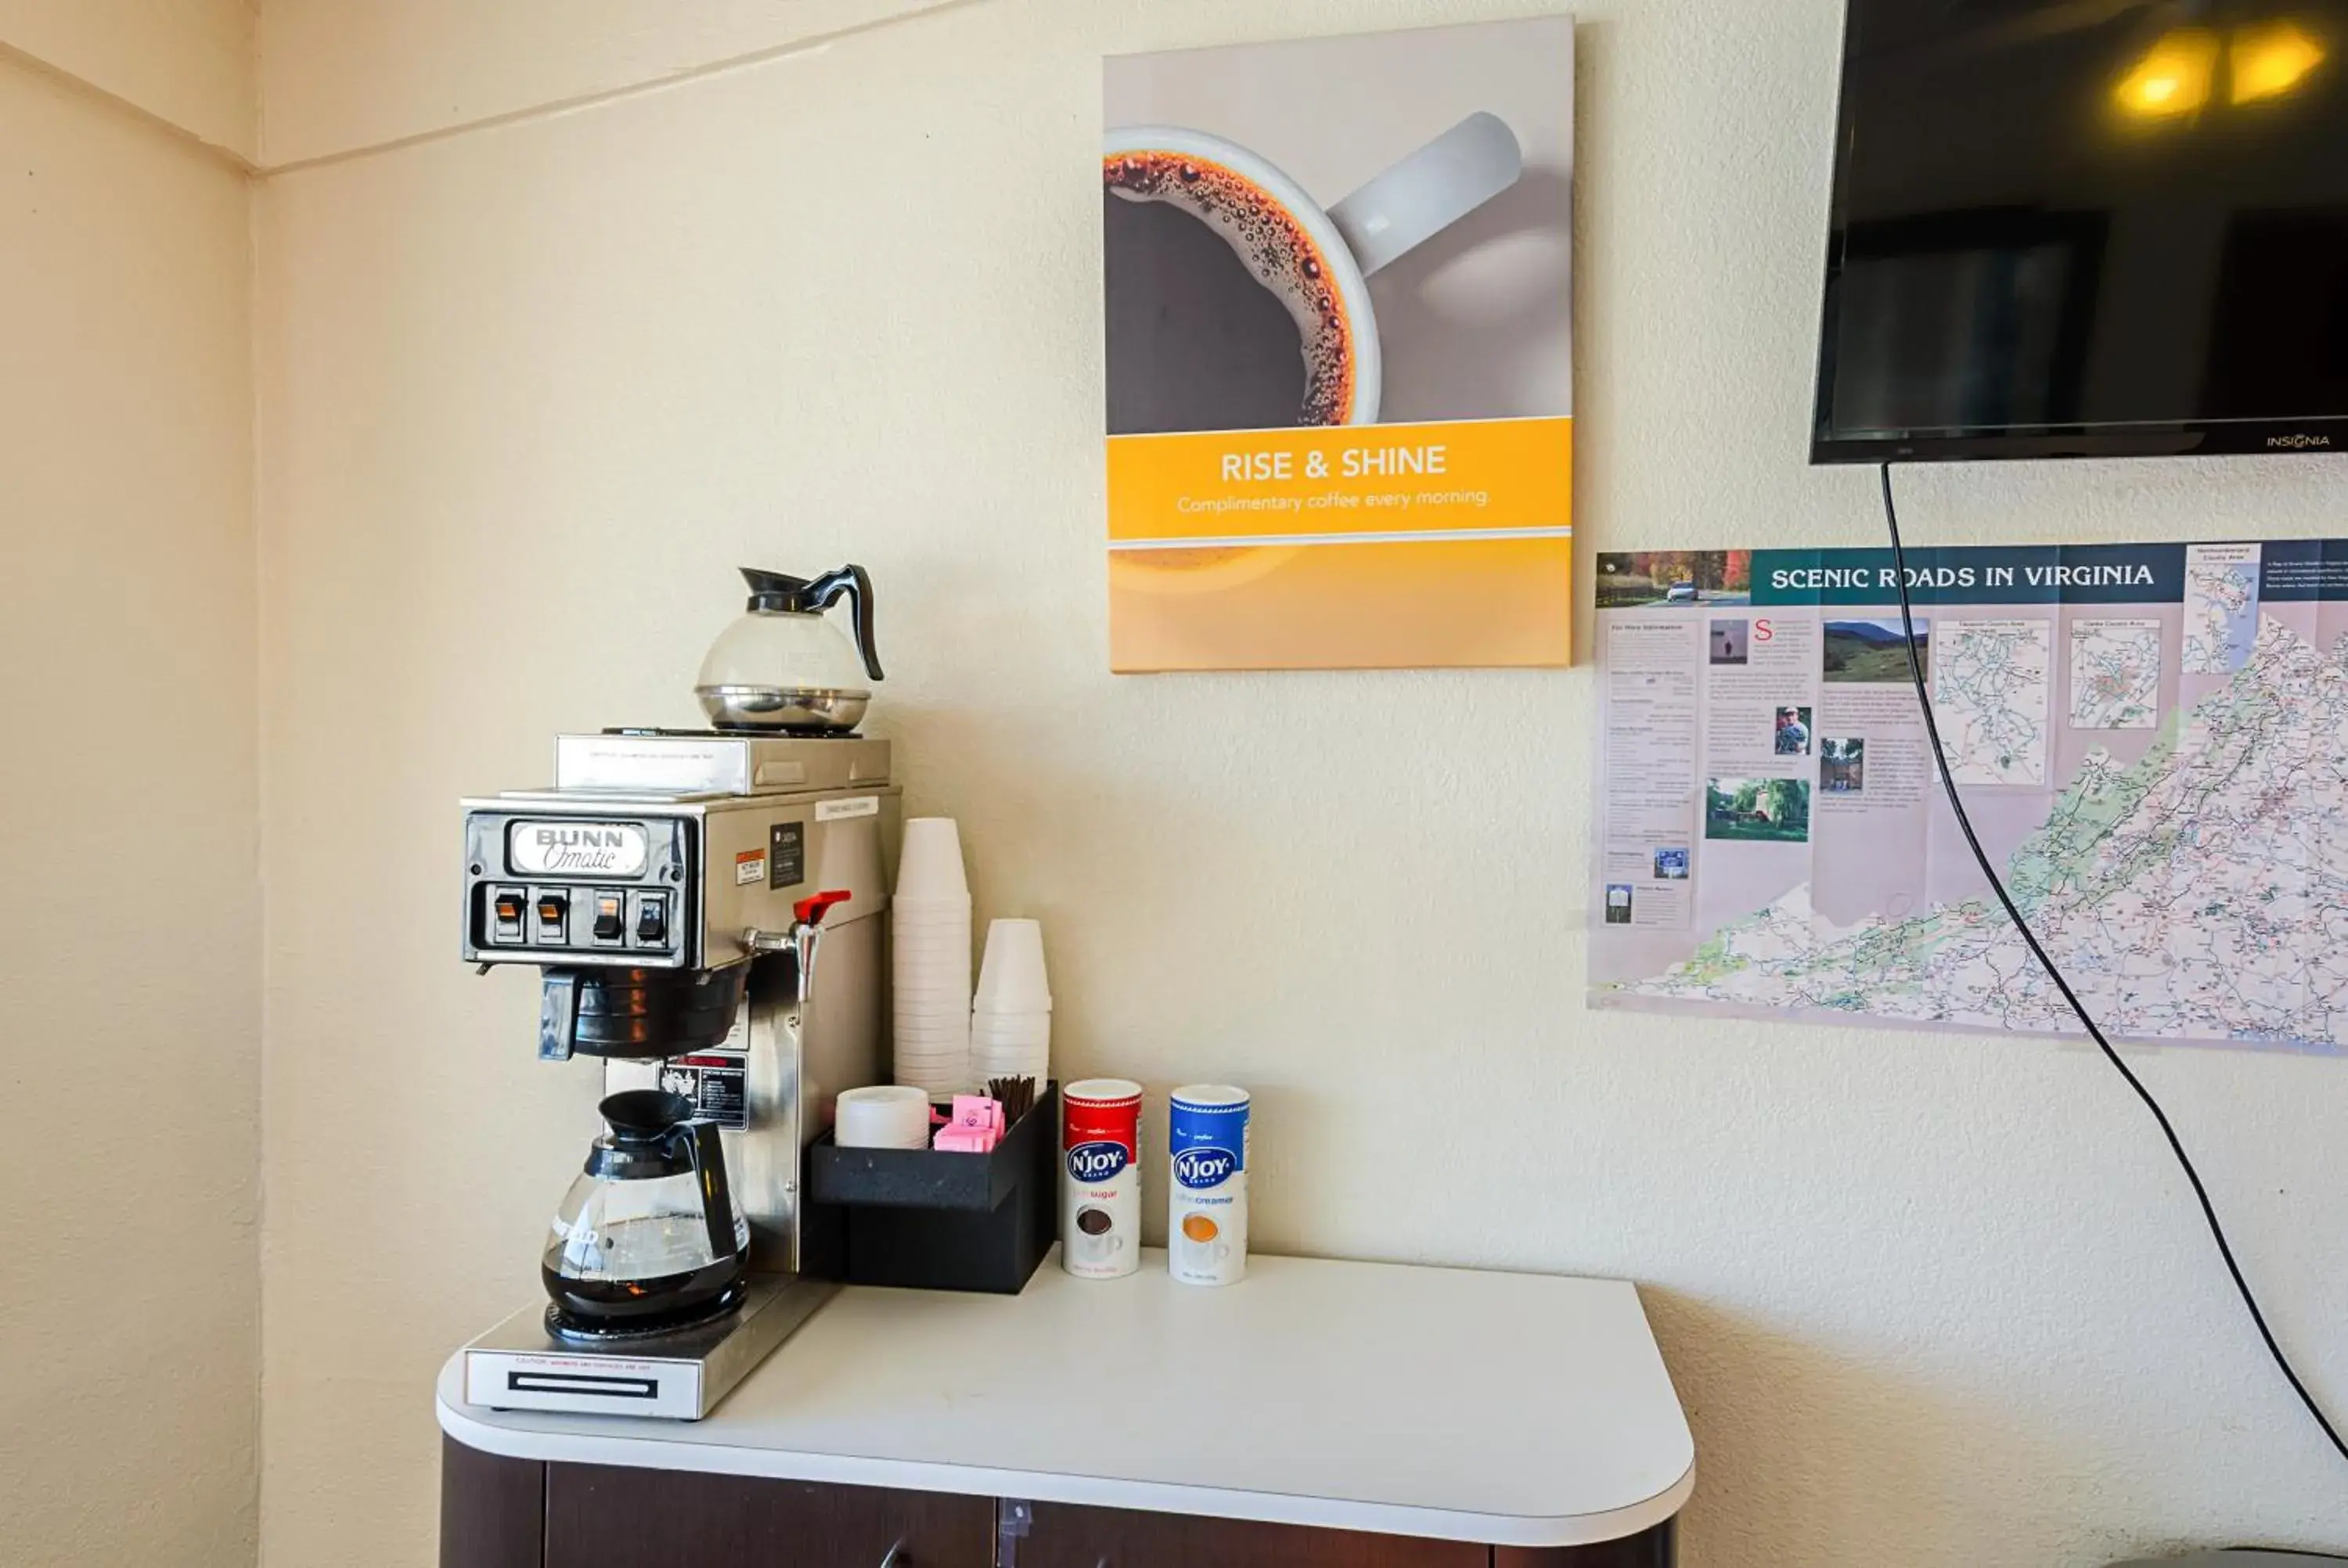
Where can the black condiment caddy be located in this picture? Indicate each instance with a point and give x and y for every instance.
(937, 1220)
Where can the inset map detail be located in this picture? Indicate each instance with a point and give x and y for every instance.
(2115, 674)
(1990, 690)
(2221, 607)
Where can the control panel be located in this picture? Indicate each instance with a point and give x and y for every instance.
(552, 889)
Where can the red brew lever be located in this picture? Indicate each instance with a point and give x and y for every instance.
(812, 908)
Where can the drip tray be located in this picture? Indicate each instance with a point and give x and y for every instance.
(679, 1375)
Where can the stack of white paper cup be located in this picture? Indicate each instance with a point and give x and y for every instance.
(1011, 1023)
(930, 938)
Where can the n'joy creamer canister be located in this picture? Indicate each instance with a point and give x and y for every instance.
(1206, 1232)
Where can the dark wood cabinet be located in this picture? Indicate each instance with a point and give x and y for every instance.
(597, 1516)
(492, 1510)
(523, 1514)
(1656, 1548)
(1064, 1536)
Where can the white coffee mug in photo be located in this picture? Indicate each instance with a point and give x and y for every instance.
(1096, 1252)
(1412, 201)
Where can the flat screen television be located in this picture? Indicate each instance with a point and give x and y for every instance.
(2087, 227)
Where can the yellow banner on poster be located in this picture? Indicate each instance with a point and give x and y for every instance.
(1444, 478)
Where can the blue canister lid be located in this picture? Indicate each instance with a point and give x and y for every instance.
(1207, 1132)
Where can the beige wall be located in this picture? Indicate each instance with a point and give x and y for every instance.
(187, 62)
(345, 75)
(530, 393)
(129, 816)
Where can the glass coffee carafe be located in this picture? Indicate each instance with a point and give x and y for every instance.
(650, 1237)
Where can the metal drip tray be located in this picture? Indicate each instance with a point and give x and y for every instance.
(679, 1376)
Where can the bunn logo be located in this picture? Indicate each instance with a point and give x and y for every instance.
(2298, 442)
(1096, 1162)
(1205, 1167)
(568, 848)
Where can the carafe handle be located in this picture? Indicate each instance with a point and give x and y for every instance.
(856, 584)
(707, 1153)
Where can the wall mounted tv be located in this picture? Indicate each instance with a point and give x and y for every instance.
(2087, 227)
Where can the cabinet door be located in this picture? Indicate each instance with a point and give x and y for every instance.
(492, 1510)
(1656, 1548)
(598, 1516)
(1065, 1536)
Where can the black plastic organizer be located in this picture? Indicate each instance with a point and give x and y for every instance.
(937, 1221)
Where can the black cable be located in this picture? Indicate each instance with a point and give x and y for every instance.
(2029, 938)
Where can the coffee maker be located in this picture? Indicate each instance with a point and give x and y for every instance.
(704, 910)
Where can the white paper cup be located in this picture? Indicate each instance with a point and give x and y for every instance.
(930, 864)
(949, 948)
(937, 927)
(884, 1116)
(984, 1017)
(983, 1049)
(1011, 977)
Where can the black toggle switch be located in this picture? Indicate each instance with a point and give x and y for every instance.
(652, 923)
(508, 907)
(609, 923)
(552, 909)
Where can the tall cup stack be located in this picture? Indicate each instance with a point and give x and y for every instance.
(1010, 1021)
(930, 958)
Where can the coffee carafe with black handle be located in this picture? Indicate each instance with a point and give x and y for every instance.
(783, 665)
(650, 1237)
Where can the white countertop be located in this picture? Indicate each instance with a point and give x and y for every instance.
(1511, 1408)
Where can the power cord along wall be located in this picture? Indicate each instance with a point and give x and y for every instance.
(2038, 951)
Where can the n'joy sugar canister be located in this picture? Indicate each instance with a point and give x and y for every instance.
(1100, 1202)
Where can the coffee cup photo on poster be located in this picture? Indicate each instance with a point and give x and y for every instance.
(1337, 306)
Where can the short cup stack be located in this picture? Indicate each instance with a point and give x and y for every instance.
(1011, 1026)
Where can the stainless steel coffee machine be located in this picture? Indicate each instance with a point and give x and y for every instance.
(704, 910)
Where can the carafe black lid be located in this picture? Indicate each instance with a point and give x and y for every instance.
(643, 1116)
(777, 590)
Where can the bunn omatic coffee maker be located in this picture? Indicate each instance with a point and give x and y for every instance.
(704, 910)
